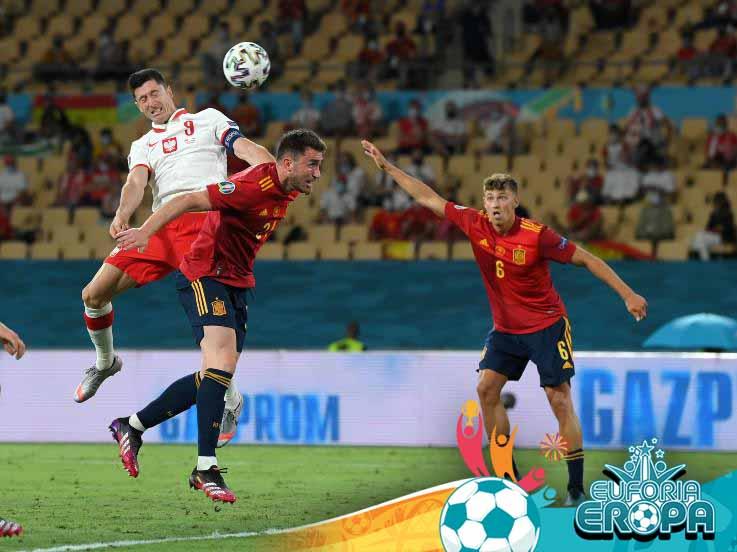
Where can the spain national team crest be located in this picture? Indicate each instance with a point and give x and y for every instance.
(518, 256)
(218, 307)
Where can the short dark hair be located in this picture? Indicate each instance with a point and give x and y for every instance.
(139, 78)
(500, 181)
(297, 141)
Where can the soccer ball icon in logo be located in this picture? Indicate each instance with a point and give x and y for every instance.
(644, 517)
(489, 514)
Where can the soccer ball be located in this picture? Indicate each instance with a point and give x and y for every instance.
(644, 517)
(246, 65)
(489, 514)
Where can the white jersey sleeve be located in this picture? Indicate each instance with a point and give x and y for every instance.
(139, 154)
(220, 123)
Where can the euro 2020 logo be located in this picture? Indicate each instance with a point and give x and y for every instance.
(644, 500)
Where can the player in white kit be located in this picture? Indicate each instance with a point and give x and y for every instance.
(183, 152)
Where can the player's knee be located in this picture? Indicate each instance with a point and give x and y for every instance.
(92, 299)
(560, 403)
(488, 393)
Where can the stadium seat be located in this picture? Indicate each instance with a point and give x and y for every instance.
(461, 251)
(62, 25)
(368, 251)
(352, 233)
(75, 251)
(180, 7)
(322, 233)
(491, 164)
(271, 251)
(25, 218)
(301, 251)
(62, 234)
(709, 181)
(161, 26)
(128, 26)
(676, 250)
(77, 7)
(14, 250)
(194, 26)
(44, 8)
(334, 251)
(55, 216)
(212, 7)
(100, 251)
(694, 129)
(86, 217)
(434, 250)
(44, 251)
(461, 165)
(111, 7)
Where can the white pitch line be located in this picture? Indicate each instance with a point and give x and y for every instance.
(123, 544)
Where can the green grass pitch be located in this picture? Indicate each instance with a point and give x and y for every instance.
(72, 494)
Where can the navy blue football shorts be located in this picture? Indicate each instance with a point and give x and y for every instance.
(208, 302)
(551, 349)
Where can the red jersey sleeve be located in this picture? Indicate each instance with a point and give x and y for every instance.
(555, 247)
(229, 195)
(461, 216)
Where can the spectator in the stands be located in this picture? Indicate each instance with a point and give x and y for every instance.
(647, 130)
(721, 146)
(367, 112)
(720, 228)
(212, 57)
(54, 121)
(110, 204)
(104, 179)
(401, 51)
(370, 59)
(57, 63)
(413, 131)
(689, 58)
(109, 56)
(610, 14)
(9, 131)
(550, 55)
(476, 30)
(616, 152)
(291, 16)
(6, 230)
(81, 146)
(336, 118)
(13, 184)
(719, 61)
(248, 116)
(450, 130)
(590, 180)
(659, 178)
(269, 41)
(337, 204)
(307, 116)
(110, 150)
(585, 221)
(655, 222)
(73, 184)
(497, 127)
(419, 168)
(352, 175)
(213, 102)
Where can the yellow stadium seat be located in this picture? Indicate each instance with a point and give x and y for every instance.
(461, 251)
(301, 251)
(180, 7)
(111, 7)
(316, 47)
(434, 250)
(44, 251)
(669, 41)
(129, 26)
(525, 163)
(77, 7)
(655, 15)
(13, 250)
(75, 251)
(368, 251)
(676, 250)
(62, 25)
(334, 251)
(93, 24)
(25, 218)
(43, 8)
(9, 49)
(703, 39)
(687, 14)
(98, 236)
(55, 216)
(348, 48)
(271, 251)
(213, 7)
(174, 51)
(322, 233)
(353, 233)
(194, 26)
(694, 129)
(85, 217)
(100, 251)
(709, 181)
(63, 234)
(596, 130)
(334, 23)
(491, 164)
(461, 165)
(562, 129)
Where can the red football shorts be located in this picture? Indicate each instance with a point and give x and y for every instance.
(164, 251)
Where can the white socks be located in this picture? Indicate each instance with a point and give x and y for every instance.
(135, 423)
(100, 327)
(204, 463)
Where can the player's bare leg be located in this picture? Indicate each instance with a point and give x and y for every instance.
(220, 357)
(97, 296)
(561, 402)
(489, 390)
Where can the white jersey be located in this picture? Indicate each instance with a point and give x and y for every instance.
(185, 154)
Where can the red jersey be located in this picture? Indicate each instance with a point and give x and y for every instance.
(515, 270)
(245, 212)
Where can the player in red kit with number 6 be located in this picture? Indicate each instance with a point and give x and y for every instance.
(214, 280)
(530, 320)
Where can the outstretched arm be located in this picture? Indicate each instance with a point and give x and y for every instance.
(421, 192)
(251, 152)
(130, 198)
(636, 304)
(138, 237)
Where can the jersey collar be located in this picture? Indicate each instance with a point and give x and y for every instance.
(174, 116)
(512, 229)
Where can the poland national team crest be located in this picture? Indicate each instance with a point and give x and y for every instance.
(169, 145)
